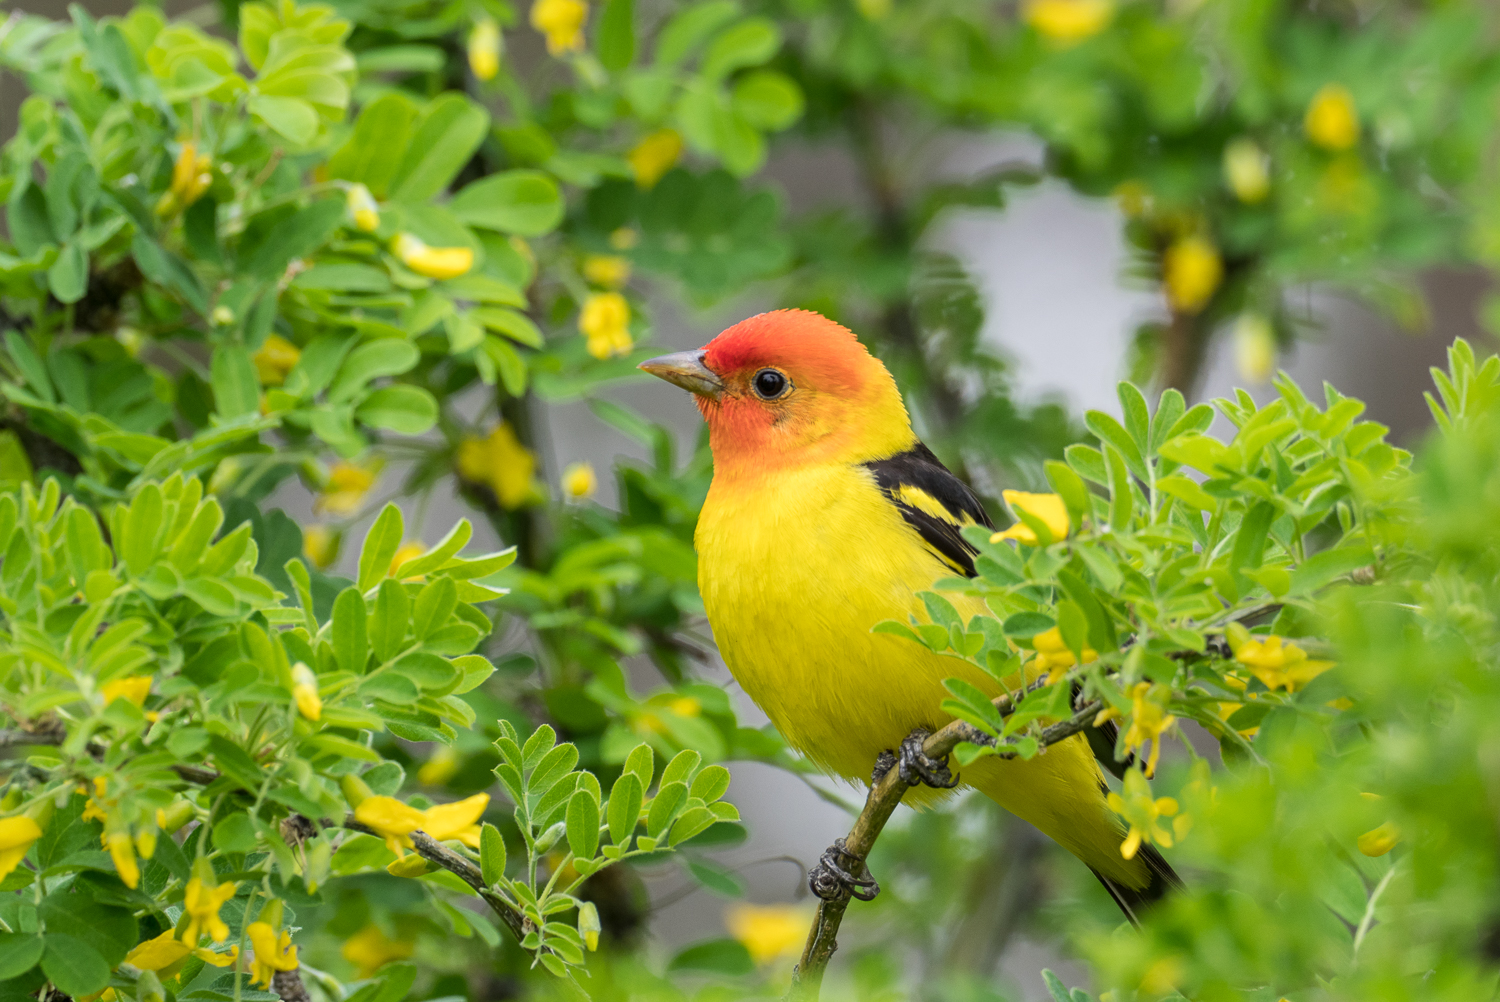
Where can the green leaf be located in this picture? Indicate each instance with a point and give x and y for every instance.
(350, 645)
(291, 117)
(1321, 568)
(717, 879)
(392, 614)
(1070, 487)
(235, 833)
(491, 854)
(616, 39)
(343, 277)
(19, 953)
(236, 388)
(642, 762)
(407, 410)
(583, 824)
(527, 203)
(68, 278)
(30, 365)
(297, 236)
(1121, 495)
(767, 99)
(717, 956)
(382, 134)
(1074, 627)
(624, 809)
(690, 822)
(710, 784)
(669, 800)
(73, 966)
(444, 137)
(690, 26)
(168, 271)
(380, 546)
(1026, 625)
(1137, 416)
(140, 532)
(513, 324)
(371, 360)
(1250, 540)
(748, 43)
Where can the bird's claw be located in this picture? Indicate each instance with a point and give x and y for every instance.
(829, 879)
(917, 768)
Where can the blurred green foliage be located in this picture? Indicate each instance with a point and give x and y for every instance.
(331, 243)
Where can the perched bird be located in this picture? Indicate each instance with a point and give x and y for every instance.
(826, 516)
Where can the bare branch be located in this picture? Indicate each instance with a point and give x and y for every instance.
(881, 803)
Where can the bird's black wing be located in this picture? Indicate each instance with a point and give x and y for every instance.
(934, 502)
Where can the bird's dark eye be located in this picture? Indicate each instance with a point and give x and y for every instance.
(769, 384)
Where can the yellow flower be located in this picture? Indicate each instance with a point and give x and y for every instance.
(122, 851)
(441, 767)
(1049, 508)
(1192, 270)
(1141, 812)
(500, 462)
(276, 357)
(1332, 121)
(562, 22)
(484, 49)
(191, 177)
(1053, 654)
(305, 692)
(1149, 720)
(605, 321)
(458, 820)
(362, 208)
(154, 954)
(319, 545)
(685, 706)
(578, 481)
(1069, 21)
(406, 551)
(588, 925)
(218, 959)
(391, 820)
(608, 270)
(1379, 841)
(345, 490)
(16, 836)
(145, 843)
(96, 809)
(202, 903)
(1273, 660)
(272, 953)
(134, 689)
(769, 931)
(654, 155)
(433, 262)
(1245, 168)
(369, 949)
(1254, 347)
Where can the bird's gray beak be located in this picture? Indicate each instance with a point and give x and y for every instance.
(686, 369)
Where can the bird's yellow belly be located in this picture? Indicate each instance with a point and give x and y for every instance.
(794, 573)
(793, 579)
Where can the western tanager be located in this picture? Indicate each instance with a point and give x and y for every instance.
(826, 516)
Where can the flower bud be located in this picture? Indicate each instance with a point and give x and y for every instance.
(432, 262)
(484, 49)
(362, 208)
(356, 790)
(176, 814)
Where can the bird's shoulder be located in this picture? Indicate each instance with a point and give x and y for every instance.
(932, 501)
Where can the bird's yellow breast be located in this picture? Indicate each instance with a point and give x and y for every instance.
(795, 569)
(794, 573)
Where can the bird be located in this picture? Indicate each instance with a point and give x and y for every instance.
(827, 515)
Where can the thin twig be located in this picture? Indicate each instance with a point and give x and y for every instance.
(881, 803)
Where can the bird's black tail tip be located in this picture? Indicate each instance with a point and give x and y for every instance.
(1134, 901)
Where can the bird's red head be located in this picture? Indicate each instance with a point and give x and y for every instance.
(790, 388)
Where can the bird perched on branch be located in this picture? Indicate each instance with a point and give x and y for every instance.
(827, 516)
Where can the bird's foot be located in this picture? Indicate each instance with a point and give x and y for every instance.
(829, 879)
(916, 768)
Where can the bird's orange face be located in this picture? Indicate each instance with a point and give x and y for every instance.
(786, 389)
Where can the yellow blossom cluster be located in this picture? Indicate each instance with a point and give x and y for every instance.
(275, 358)
(1142, 813)
(432, 262)
(394, 821)
(605, 321)
(345, 489)
(484, 47)
(561, 21)
(1068, 22)
(607, 270)
(1277, 662)
(657, 153)
(579, 481)
(1149, 720)
(501, 463)
(192, 175)
(1054, 656)
(769, 932)
(1191, 271)
(1332, 121)
(362, 208)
